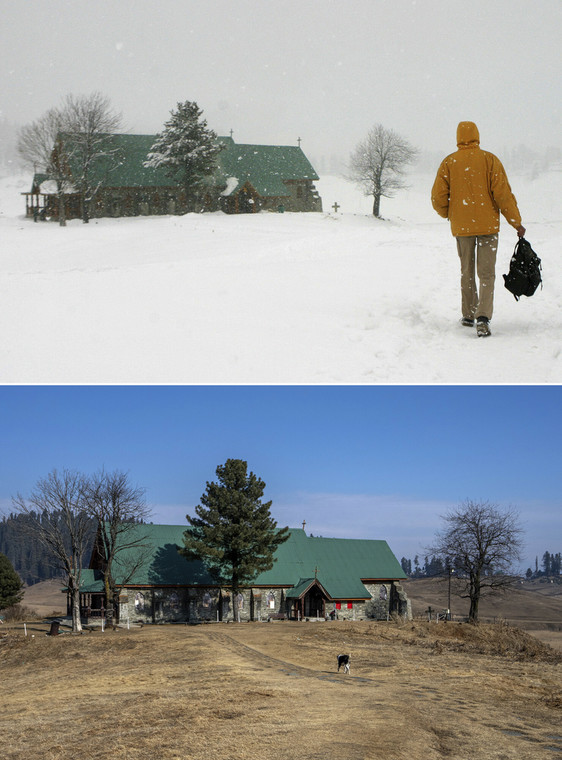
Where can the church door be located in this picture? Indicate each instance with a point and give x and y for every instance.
(314, 603)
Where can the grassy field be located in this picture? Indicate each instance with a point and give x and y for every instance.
(238, 692)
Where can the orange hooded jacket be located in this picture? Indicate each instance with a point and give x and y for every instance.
(471, 188)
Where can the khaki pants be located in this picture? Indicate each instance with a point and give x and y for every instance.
(477, 252)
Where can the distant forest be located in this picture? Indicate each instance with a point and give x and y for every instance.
(551, 565)
(30, 559)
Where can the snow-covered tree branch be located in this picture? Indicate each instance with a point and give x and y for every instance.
(377, 165)
(187, 149)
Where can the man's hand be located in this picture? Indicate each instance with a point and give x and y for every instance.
(521, 231)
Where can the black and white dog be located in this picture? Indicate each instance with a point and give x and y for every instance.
(343, 660)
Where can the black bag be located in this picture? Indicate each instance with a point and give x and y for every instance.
(524, 275)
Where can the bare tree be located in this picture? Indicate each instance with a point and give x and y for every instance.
(35, 145)
(89, 125)
(59, 520)
(377, 165)
(481, 542)
(74, 145)
(118, 507)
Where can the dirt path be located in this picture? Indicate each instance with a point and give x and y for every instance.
(395, 703)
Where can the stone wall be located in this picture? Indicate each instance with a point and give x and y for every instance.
(196, 605)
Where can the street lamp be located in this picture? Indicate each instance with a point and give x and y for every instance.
(451, 571)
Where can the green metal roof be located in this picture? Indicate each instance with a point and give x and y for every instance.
(163, 565)
(127, 170)
(90, 580)
(338, 563)
(265, 167)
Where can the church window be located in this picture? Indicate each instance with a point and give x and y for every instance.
(139, 601)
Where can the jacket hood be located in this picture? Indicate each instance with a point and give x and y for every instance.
(467, 134)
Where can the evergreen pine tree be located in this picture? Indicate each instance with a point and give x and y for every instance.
(187, 149)
(10, 584)
(234, 533)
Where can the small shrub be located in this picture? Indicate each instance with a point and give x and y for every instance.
(19, 612)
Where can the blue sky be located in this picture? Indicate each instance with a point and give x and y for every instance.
(377, 462)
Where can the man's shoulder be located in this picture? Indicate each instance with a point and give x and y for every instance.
(490, 155)
(493, 161)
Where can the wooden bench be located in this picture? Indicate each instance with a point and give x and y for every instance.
(276, 616)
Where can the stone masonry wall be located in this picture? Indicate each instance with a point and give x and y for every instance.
(195, 605)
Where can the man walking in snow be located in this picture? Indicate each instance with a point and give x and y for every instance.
(470, 190)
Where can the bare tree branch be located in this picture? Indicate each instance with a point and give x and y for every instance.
(481, 543)
(58, 519)
(118, 507)
(88, 145)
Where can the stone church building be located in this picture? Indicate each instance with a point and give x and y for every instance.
(312, 577)
(248, 179)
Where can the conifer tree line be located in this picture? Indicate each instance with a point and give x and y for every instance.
(32, 560)
(551, 565)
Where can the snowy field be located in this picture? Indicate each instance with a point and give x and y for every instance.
(271, 298)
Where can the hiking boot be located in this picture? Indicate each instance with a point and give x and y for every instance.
(483, 327)
(467, 322)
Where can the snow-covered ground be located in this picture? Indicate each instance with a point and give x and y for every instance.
(271, 298)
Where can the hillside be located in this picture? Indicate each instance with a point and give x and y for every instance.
(45, 598)
(533, 606)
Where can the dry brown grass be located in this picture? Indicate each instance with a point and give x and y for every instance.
(239, 692)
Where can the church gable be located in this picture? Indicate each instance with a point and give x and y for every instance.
(281, 177)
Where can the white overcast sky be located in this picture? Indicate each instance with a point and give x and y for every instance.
(273, 71)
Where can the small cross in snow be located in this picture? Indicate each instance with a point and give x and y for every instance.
(336, 206)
